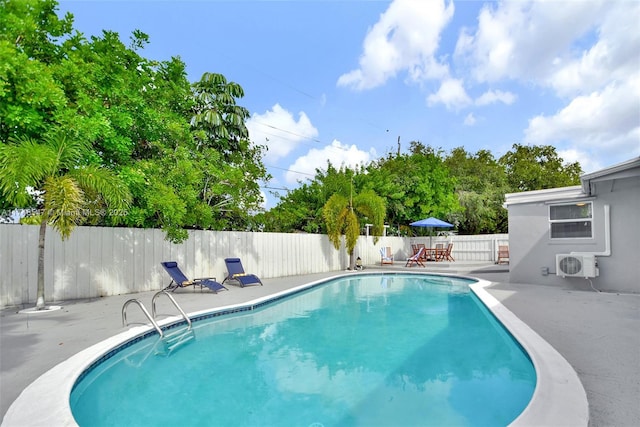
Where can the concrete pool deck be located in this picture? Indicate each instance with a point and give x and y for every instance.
(596, 332)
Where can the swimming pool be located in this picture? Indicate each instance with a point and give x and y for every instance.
(360, 350)
(559, 398)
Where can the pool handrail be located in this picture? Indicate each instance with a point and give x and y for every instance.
(144, 310)
(175, 303)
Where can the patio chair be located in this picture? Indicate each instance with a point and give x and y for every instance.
(386, 255)
(503, 254)
(237, 273)
(416, 258)
(439, 253)
(427, 253)
(447, 253)
(179, 280)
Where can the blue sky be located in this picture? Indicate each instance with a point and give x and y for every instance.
(343, 80)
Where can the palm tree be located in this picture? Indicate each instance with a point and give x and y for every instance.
(341, 218)
(54, 177)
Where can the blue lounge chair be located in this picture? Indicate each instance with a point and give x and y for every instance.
(179, 280)
(236, 273)
(417, 258)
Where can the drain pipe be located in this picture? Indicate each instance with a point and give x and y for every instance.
(607, 236)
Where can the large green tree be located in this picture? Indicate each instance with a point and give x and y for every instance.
(536, 167)
(31, 98)
(232, 165)
(415, 186)
(480, 185)
(182, 149)
(464, 188)
(301, 208)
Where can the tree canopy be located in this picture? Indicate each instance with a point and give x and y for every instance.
(466, 189)
(531, 167)
(183, 150)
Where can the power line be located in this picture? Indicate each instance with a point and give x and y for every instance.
(289, 170)
(326, 144)
(288, 131)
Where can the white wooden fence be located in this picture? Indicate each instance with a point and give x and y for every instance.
(99, 261)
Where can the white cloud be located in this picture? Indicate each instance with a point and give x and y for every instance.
(524, 39)
(280, 131)
(605, 120)
(493, 96)
(587, 162)
(337, 153)
(586, 52)
(451, 94)
(614, 56)
(406, 38)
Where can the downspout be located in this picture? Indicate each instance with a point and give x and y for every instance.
(607, 236)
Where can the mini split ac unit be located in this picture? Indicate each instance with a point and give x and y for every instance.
(570, 265)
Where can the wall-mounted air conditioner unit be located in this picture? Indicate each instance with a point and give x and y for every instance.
(570, 265)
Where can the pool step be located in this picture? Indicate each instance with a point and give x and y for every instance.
(174, 340)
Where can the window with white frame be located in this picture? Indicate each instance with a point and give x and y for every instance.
(569, 221)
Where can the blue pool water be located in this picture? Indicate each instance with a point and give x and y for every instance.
(367, 350)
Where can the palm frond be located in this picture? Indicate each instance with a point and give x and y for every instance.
(69, 151)
(95, 179)
(63, 204)
(373, 207)
(352, 231)
(334, 214)
(23, 163)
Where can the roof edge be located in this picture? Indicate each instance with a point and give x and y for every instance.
(611, 170)
(574, 192)
(550, 194)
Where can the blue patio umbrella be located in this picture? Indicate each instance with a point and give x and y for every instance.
(431, 222)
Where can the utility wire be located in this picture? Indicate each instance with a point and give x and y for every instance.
(326, 144)
(289, 170)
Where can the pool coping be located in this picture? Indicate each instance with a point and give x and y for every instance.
(559, 398)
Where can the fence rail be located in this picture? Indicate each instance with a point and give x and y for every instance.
(101, 261)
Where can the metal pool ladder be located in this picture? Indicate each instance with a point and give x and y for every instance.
(144, 310)
(175, 303)
(170, 341)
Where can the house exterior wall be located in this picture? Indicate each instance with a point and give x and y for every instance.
(532, 250)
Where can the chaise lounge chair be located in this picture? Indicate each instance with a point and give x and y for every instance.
(179, 280)
(386, 255)
(236, 273)
(416, 259)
